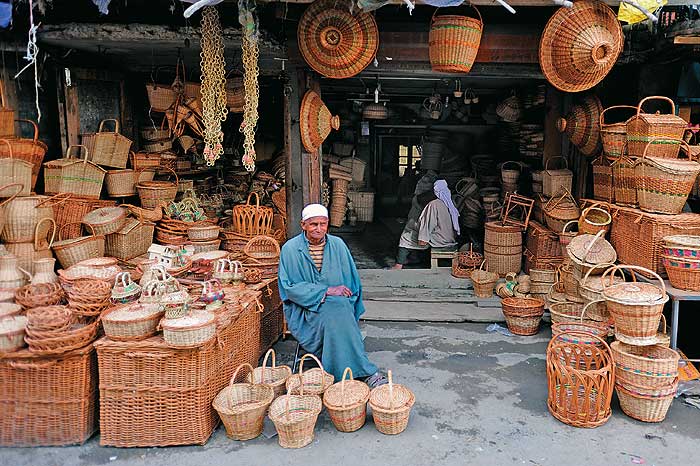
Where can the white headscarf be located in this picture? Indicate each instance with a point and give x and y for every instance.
(313, 210)
(443, 193)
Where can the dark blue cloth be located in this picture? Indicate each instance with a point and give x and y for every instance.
(324, 325)
(5, 14)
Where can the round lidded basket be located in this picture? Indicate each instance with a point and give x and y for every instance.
(523, 315)
(651, 366)
(136, 321)
(346, 402)
(590, 251)
(190, 331)
(312, 382)
(275, 376)
(295, 417)
(242, 407)
(584, 332)
(106, 220)
(391, 406)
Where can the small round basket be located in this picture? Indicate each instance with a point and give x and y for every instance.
(136, 321)
(39, 295)
(594, 219)
(312, 382)
(483, 281)
(646, 404)
(391, 407)
(191, 331)
(346, 402)
(470, 259)
(203, 232)
(523, 315)
(295, 417)
(275, 376)
(242, 407)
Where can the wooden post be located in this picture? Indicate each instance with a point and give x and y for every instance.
(292, 149)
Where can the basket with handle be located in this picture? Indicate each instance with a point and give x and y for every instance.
(7, 116)
(603, 184)
(591, 331)
(346, 402)
(22, 215)
(625, 181)
(663, 184)
(594, 219)
(391, 406)
(13, 170)
(560, 210)
(160, 96)
(73, 250)
(108, 148)
(645, 129)
(556, 180)
(523, 315)
(646, 404)
(122, 183)
(145, 160)
(153, 193)
(483, 281)
(252, 219)
(76, 176)
(614, 135)
(242, 406)
(313, 381)
(275, 376)
(295, 417)
(38, 248)
(30, 149)
(454, 41)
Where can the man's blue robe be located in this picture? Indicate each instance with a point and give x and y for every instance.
(329, 326)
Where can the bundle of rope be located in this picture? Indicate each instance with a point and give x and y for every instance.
(250, 80)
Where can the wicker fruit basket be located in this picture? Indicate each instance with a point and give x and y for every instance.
(594, 219)
(71, 251)
(190, 331)
(275, 376)
(134, 321)
(39, 295)
(75, 337)
(523, 315)
(346, 402)
(391, 406)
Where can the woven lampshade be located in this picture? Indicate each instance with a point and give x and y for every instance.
(580, 45)
(315, 121)
(335, 42)
(582, 125)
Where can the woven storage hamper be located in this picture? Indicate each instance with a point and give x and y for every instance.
(68, 175)
(454, 41)
(648, 366)
(346, 402)
(603, 184)
(391, 407)
(31, 150)
(145, 160)
(132, 240)
(614, 135)
(541, 241)
(625, 181)
(643, 129)
(105, 220)
(108, 148)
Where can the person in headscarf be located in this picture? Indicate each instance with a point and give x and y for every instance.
(322, 298)
(437, 227)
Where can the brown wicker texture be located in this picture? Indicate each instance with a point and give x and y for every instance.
(651, 366)
(182, 383)
(335, 42)
(580, 45)
(560, 210)
(274, 376)
(136, 321)
(73, 250)
(315, 122)
(565, 311)
(77, 336)
(580, 380)
(108, 148)
(7, 116)
(105, 220)
(49, 318)
(504, 259)
(663, 184)
(31, 150)
(593, 219)
(523, 315)
(160, 96)
(153, 193)
(683, 274)
(643, 403)
(252, 276)
(662, 131)
(48, 401)
(584, 332)
(70, 213)
(483, 281)
(498, 234)
(582, 126)
(122, 183)
(39, 295)
(312, 382)
(346, 402)
(242, 407)
(391, 407)
(614, 135)
(14, 170)
(625, 181)
(471, 259)
(454, 41)
(75, 176)
(636, 308)
(132, 240)
(541, 241)
(295, 417)
(252, 219)
(263, 248)
(555, 182)
(203, 232)
(189, 336)
(603, 184)
(145, 160)
(459, 271)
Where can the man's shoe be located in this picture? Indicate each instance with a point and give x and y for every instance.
(376, 380)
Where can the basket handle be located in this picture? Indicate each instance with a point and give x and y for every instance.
(36, 233)
(636, 267)
(583, 312)
(564, 195)
(116, 125)
(36, 128)
(177, 180)
(662, 138)
(469, 4)
(55, 200)
(264, 364)
(21, 187)
(596, 205)
(2, 94)
(570, 222)
(656, 97)
(342, 385)
(566, 162)
(68, 152)
(234, 266)
(590, 245)
(391, 389)
(662, 323)
(585, 277)
(9, 146)
(233, 377)
(257, 199)
(60, 231)
(602, 122)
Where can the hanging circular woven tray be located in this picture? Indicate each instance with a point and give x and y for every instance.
(336, 43)
(582, 124)
(315, 121)
(580, 45)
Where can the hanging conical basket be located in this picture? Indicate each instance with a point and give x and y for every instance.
(582, 125)
(335, 42)
(315, 121)
(580, 45)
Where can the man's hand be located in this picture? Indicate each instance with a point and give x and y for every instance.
(339, 291)
(423, 243)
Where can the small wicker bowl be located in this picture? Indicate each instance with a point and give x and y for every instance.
(135, 321)
(205, 232)
(49, 318)
(39, 295)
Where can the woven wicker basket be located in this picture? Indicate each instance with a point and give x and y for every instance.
(683, 274)
(346, 402)
(391, 407)
(483, 281)
(12, 332)
(122, 183)
(523, 315)
(136, 321)
(662, 131)
(145, 160)
(454, 42)
(153, 193)
(560, 210)
(582, 124)
(73, 250)
(603, 184)
(106, 220)
(108, 148)
(252, 220)
(312, 382)
(68, 175)
(295, 417)
(31, 150)
(132, 240)
(556, 181)
(15, 171)
(275, 376)
(644, 403)
(625, 181)
(7, 116)
(315, 121)
(649, 366)
(614, 135)
(594, 218)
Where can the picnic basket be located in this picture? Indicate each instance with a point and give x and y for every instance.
(69, 175)
(242, 407)
(313, 381)
(252, 220)
(153, 193)
(14, 170)
(556, 181)
(30, 149)
(73, 250)
(614, 135)
(275, 376)
(295, 417)
(391, 406)
(453, 41)
(662, 131)
(346, 402)
(523, 315)
(108, 148)
(72, 210)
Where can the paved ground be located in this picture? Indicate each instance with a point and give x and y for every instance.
(480, 400)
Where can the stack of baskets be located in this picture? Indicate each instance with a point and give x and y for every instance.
(82, 178)
(503, 248)
(247, 221)
(465, 262)
(338, 202)
(523, 315)
(510, 176)
(204, 236)
(681, 259)
(542, 281)
(156, 140)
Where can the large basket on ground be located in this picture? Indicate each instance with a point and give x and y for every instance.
(646, 404)
(252, 219)
(663, 184)
(275, 376)
(75, 176)
(454, 41)
(614, 135)
(662, 131)
(108, 148)
(295, 417)
(153, 193)
(580, 380)
(242, 407)
(391, 407)
(648, 366)
(523, 315)
(31, 150)
(346, 402)
(312, 382)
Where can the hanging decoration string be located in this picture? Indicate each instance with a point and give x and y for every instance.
(251, 71)
(213, 78)
(31, 57)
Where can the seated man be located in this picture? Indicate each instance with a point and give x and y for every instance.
(437, 226)
(322, 297)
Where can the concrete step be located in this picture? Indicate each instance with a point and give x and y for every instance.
(430, 312)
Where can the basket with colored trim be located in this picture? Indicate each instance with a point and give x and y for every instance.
(662, 132)
(346, 402)
(523, 315)
(75, 176)
(683, 274)
(391, 407)
(644, 403)
(454, 41)
(648, 366)
(312, 382)
(614, 135)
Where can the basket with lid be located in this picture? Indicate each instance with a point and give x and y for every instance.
(108, 148)
(72, 175)
(242, 407)
(590, 252)
(391, 406)
(643, 129)
(135, 321)
(275, 376)
(591, 290)
(191, 331)
(131, 240)
(312, 382)
(635, 307)
(105, 220)
(346, 402)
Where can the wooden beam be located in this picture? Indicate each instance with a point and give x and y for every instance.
(292, 139)
(686, 40)
(72, 108)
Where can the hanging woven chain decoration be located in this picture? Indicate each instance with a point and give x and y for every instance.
(213, 77)
(251, 71)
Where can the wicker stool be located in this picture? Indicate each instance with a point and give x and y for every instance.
(435, 255)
